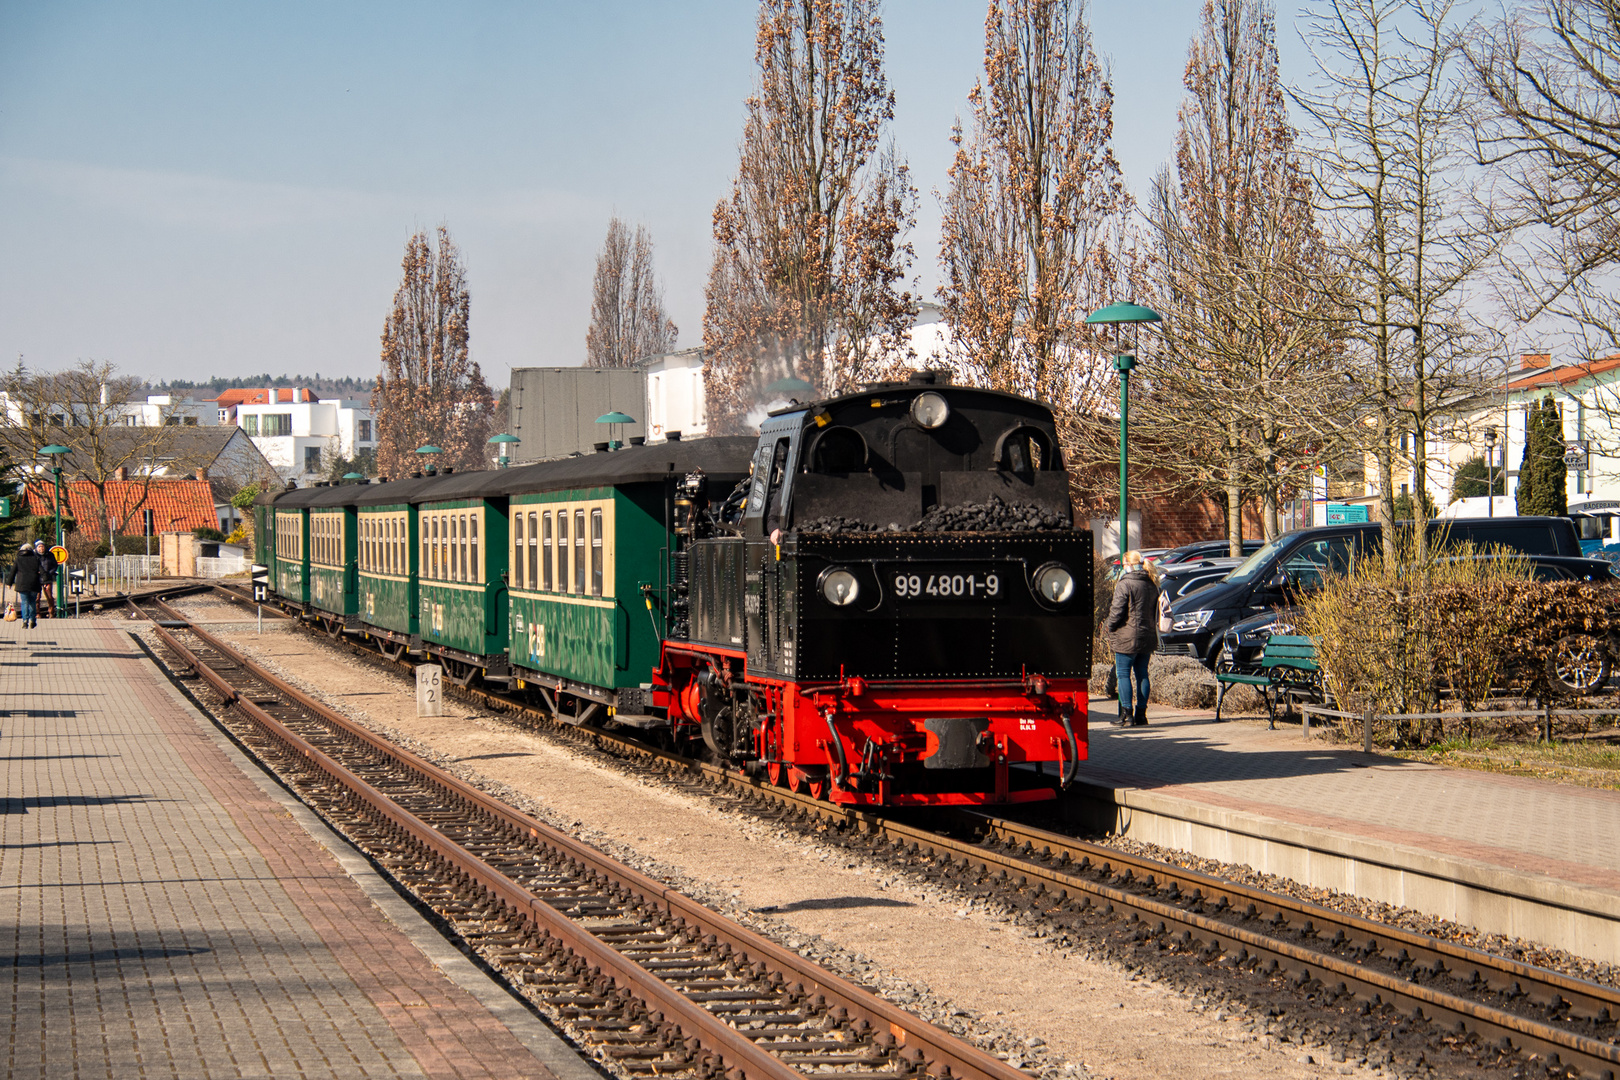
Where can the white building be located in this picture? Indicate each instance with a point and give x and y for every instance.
(301, 436)
(159, 409)
(674, 395)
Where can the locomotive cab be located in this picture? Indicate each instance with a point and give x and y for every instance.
(904, 615)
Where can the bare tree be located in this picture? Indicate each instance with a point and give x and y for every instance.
(87, 409)
(1390, 135)
(1246, 387)
(810, 249)
(627, 305)
(430, 390)
(1032, 217)
(1551, 131)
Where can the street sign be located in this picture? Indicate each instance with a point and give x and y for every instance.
(60, 554)
(5, 506)
(76, 582)
(261, 582)
(1575, 453)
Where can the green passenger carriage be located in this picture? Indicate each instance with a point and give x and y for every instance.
(591, 539)
(333, 549)
(388, 601)
(461, 549)
(290, 526)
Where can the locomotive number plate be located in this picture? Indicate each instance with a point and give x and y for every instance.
(980, 583)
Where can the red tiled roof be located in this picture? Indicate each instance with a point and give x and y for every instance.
(231, 398)
(178, 504)
(1563, 376)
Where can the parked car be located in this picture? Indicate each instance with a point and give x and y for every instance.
(1206, 549)
(1179, 579)
(1295, 563)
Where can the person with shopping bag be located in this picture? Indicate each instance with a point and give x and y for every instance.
(24, 575)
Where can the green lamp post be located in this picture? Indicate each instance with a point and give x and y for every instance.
(55, 453)
(354, 476)
(612, 419)
(425, 451)
(504, 442)
(1124, 363)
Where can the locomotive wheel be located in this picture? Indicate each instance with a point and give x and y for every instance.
(777, 772)
(814, 784)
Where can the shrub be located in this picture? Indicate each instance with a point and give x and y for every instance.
(208, 535)
(1396, 638)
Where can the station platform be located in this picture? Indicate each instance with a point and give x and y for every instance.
(172, 912)
(1505, 854)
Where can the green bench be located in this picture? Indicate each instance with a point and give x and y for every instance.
(1287, 666)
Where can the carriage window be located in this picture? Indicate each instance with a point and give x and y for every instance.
(472, 550)
(596, 553)
(579, 552)
(534, 554)
(517, 550)
(545, 556)
(562, 551)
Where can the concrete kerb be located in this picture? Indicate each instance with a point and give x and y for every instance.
(1580, 919)
(548, 1047)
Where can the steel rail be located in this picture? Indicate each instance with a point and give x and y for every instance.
(941, 1051)
(1579, 999)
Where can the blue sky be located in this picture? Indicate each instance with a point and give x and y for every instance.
(223, 188)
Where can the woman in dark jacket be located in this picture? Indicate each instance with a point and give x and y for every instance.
(25, 577)
(1133, 633)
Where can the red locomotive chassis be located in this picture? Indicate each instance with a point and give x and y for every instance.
(921, 676)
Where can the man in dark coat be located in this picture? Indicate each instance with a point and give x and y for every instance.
(24, 576)
(47, 580)
(1133, 633)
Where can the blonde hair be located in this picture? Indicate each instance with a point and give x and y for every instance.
(1132, 558)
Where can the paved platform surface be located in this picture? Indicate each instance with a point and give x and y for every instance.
(1528, 825)
(167, 911)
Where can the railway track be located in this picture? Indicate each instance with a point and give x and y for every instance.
(1505, 1006)
(648, 980)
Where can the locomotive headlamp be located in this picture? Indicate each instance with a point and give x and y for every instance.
(839, 587)
(929, 410)
(1054, 583)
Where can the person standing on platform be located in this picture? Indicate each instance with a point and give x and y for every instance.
(47, 580)
(23, 575)
(1133, 634)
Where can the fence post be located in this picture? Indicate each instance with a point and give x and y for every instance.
(1366, 730)
(1546, 721)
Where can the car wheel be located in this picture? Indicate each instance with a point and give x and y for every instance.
(1579, 664)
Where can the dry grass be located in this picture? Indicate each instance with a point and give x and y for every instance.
(1579, 763)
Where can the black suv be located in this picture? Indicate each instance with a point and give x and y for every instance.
(1295, 563)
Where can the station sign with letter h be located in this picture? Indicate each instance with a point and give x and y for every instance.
(76, 582)
(261, 582)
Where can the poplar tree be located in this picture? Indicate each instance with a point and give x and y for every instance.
(810, 249)
(1030, 224)
(628, 322)
(430, 390)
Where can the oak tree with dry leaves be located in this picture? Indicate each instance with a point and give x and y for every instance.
(811, 255)
(430, 390)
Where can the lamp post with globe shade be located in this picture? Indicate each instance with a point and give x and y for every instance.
(55, 453)
(1124, 363)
